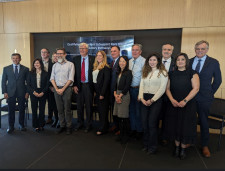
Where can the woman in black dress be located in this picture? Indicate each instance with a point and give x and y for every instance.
(181, 118)
(101, 79)
(37, 85)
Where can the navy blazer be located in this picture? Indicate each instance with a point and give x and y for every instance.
(210, 79)
(77, 76)
(14, 86)
(103, 81)
(32, 82)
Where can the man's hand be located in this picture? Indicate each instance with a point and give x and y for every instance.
(75, 89)
(26, 96)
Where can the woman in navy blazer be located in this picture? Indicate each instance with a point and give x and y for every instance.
(101, 79)
(38, 84)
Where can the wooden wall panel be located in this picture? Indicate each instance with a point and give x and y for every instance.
(20, 42)
(148, 14)
(1, 18)
(216, 38)
(50, 16)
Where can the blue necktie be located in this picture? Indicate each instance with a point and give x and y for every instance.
(16, 72)
(198, 66)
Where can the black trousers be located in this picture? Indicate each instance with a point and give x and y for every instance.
(85, 97)
(52, 107)
(38, 103)
(103, 110)
(150, 116)
(12, 107)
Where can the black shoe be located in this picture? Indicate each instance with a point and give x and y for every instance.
(150, 152)
(41, 129)
(36, 129)
(10, 130)
(183, 153)
(22, 128)
(61, 129)
(55, 123)
(164, 142)
(68, 131)
(78, 127)
(176, 151)
(145, 149)
(87, 129)
(49, 121)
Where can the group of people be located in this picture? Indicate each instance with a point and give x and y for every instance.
(140, 92)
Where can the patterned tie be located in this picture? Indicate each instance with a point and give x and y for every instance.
(83, 71)
(198, 66)
(16, 72)
(133, 64)
(113, 63)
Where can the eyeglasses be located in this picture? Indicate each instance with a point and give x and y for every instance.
(200, 49)
(60, 53)
(82, 48)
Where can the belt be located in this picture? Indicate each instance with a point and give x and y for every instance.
(135, 87)
(84, 83)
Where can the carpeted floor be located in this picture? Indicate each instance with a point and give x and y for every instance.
(80, 150)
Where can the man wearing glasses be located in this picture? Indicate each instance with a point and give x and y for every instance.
(83, 86)
(209, 72)
(62, 78)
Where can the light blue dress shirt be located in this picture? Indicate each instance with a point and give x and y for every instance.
(18, 67)
(195, 62)
(136, 68)
(86, 67)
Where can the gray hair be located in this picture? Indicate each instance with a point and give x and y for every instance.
(139, 45)
(83, 44)
(168, 44)
(201, 42)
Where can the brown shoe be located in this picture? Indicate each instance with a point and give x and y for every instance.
(49, 121)
(112, 128)
(117, 133)
(206, 152)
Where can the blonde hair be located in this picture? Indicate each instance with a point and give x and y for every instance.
(104, 62)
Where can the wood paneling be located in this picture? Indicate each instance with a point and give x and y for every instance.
(50, 16)
(148, 14)
(20, 42)
(1, 18)
(216, 38)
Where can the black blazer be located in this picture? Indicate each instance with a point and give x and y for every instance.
(77, 76)
(125, 82)
(210, 71)
(103, 81)
(113, 73)
(32, 82)
(172, 64)
(10, 84)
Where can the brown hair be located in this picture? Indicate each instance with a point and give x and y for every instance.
(147, 69)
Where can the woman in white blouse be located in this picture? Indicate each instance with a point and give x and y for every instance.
(101, 79)
(152, 87)
(37, 85)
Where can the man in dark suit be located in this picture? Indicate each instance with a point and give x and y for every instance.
(115, 53)
(168, 61)
(50, 95)
(14, 80)
(210, 80)
(83, 86)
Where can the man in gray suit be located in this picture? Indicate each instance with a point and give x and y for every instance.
(14, 88)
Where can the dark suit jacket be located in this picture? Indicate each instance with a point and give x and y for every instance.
(103, 81)
(32, 82)
(77, 77)
(11, 85)
(125, 82)
(210, 71)
(172, 64)
(113, 73)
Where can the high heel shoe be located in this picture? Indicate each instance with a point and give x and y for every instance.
(176, 151)
(183, 153)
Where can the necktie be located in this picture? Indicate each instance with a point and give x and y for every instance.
(113, 63)
(83, 70)
(16, 72)
(198, 66)
(133, 64)
(164, 62)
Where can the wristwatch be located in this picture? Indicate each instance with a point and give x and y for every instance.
(185, 100)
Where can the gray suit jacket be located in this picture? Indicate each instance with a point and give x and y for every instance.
(14, 86)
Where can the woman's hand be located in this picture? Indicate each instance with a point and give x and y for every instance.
(174, 103)
(181, 103)
(144, 102)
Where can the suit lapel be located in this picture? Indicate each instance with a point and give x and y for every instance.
(207, 61)
(12, 71)
(20, 71)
